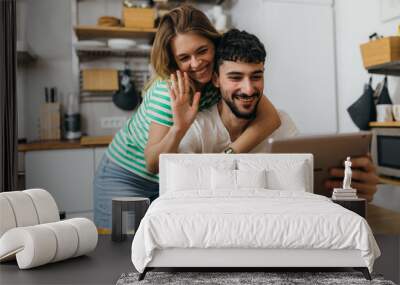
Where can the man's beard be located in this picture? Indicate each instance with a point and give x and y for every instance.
(235, 110)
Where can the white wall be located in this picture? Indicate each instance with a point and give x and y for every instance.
(300, 69)
(48, 32)
(355, 21)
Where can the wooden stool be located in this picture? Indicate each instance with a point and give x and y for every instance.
(122, 206)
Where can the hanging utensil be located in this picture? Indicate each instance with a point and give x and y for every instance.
(126, 98)
(363, 110)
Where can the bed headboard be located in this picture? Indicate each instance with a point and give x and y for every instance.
(203, 160)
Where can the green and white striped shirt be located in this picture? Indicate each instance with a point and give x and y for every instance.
(127, 147)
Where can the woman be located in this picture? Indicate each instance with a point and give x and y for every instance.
(184, 44)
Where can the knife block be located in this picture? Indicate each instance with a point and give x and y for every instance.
(50, 121)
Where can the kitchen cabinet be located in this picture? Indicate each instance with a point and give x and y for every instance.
(98, 155)
(67, 175)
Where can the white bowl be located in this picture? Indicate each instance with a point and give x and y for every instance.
(121, 43)
(90, 43)
(144, 47)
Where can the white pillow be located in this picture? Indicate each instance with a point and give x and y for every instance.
(251, 178)
(237, 179)
(223, 179)
(190, 176)
(182, 177)
(281, 174)
(293, 180)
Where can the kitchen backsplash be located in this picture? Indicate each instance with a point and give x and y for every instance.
(102, 118)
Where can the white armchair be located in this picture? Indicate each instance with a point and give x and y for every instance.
(31, 230)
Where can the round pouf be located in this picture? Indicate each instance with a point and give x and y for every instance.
(122, 209)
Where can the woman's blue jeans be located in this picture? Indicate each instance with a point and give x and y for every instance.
(112, 180)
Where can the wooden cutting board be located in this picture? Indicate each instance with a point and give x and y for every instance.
(97, 140)
(100, 79)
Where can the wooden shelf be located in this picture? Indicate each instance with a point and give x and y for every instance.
(389, 180)
(394, 124)
(49, 145)
(85, 32)
(391, 68)
(96, 141)
(93, 53)
(83, 142)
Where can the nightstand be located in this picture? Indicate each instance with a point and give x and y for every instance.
(127, 212)
(358, 206)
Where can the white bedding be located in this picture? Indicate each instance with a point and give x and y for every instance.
(251, 218)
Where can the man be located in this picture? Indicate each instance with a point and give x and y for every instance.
(239, 75)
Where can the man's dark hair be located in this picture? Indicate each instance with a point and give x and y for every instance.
(237, 45)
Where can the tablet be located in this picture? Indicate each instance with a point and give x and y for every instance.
(329, 151)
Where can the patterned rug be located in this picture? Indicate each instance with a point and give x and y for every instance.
(243, 278)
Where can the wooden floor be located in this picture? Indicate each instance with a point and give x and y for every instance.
(383, 221)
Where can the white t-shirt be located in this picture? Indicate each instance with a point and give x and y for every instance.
(209, 135)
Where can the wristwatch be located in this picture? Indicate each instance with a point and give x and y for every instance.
(229, 150)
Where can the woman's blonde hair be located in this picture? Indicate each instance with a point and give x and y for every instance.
(180, 20)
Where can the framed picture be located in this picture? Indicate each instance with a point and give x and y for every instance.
(390, 9)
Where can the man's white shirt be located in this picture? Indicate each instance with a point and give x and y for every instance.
(209, 135)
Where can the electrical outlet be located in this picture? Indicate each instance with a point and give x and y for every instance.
(112, 122)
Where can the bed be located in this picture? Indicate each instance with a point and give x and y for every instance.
(246, 211)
